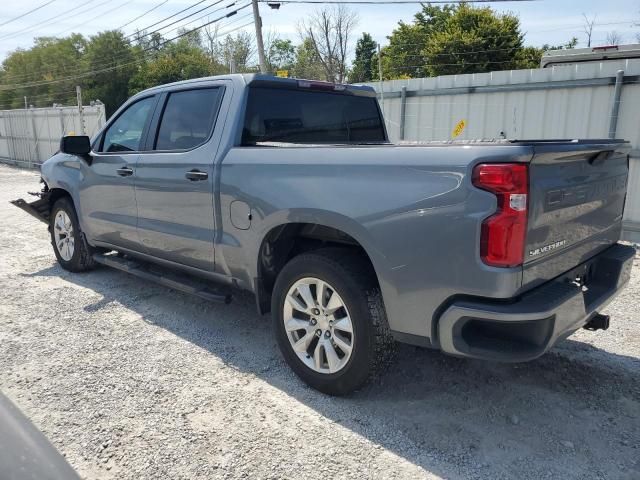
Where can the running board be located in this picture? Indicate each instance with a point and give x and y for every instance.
(39, 209)
(164, 277)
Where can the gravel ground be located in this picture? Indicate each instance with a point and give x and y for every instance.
(133, 381)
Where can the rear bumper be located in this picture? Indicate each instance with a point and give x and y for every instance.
(528, 326)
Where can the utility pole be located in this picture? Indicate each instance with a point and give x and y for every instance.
(25, 103)
(80, 109)
(258, 23)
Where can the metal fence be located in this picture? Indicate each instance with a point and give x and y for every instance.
(577, 101)
(29, 136)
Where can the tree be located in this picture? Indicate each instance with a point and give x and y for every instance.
(362, 65)
(457, 39)
(404, 56)
(529, 57)
(48, 60)
(329, 30)
(106, 50)
(565, 46)
(588, 28)
(614, 38)
(281, 55)
(473, 40)
(175, 61)
(145, 41)
(237, 53)
(308, 64)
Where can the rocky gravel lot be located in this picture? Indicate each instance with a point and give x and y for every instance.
(132, 381)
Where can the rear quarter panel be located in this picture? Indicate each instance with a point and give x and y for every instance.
(412, 208)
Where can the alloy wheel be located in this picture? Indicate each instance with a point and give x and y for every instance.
(318, 325)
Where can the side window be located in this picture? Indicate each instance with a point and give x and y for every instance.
(125, 134)
(187, 119)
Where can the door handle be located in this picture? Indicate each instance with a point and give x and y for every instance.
(124, 171)
(195, 175)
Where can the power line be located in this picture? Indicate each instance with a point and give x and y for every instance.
(452, 54)
(239, 19)
(40, 98)
(170, 16)
(108, 69)
(27, 13)
(567, 27)
(208, 14)
(184, 34)
(183, 18)
(387, 2)
(31, 28)
(142, 15)
(87, 21)
(98, 65)
(402, 45)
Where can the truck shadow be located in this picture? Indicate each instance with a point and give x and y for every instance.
(555, 417)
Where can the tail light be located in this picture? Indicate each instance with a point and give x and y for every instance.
(503, 233)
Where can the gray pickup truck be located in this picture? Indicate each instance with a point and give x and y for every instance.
(291, 190)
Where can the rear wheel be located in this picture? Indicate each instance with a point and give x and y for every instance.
(69, 244)
(329, 320)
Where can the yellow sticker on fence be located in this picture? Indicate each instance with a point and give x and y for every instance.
(457, 130)
(282, 73)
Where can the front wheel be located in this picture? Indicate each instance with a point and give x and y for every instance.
(69, 244)
(329, 320)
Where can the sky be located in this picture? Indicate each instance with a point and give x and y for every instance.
(542, 21)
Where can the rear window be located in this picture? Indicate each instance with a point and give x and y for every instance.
(294, 116)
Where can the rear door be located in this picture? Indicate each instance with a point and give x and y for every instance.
(174, 178)
(577, 195)
(107, 195)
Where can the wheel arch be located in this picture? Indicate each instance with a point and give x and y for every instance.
(287, 240)
(56, 194)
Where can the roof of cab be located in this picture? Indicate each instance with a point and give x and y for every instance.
(248, 78)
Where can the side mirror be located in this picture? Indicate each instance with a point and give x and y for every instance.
(75, 145)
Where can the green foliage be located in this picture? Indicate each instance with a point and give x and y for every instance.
(473, 40)
(49, 59)
(457, 39)
(237, 52)
(104, 51)
(281, 55)
(566, 46)
(177, 61)
(405, 56)
(362, 65)
(530, 57)
(449, 39)
(308, 64)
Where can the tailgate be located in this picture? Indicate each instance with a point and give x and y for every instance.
(577, 193)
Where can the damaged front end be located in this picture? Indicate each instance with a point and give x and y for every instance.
(40, 208)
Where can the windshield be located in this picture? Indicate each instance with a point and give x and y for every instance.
(295, 116)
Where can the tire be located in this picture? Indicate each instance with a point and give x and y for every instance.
(344, 272)
(69, 243)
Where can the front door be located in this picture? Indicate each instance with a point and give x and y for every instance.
(174, 178)
(107, 194)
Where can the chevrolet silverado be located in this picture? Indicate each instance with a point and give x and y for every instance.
(291, 189)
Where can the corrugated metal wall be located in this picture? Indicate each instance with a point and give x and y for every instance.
(560, 102)
(29, 136)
